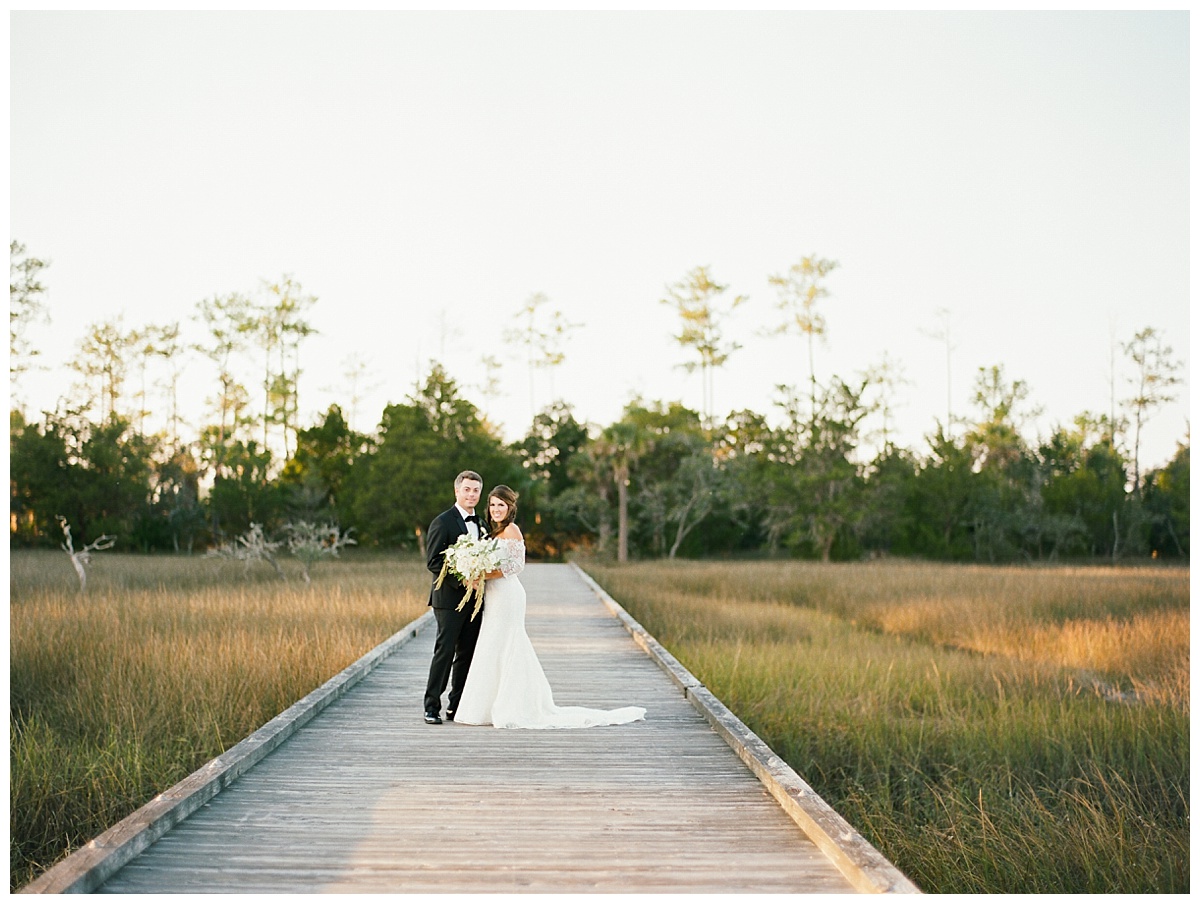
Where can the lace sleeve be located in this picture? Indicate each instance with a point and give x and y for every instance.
(514, 559)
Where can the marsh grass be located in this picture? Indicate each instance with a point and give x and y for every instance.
(165, 662)
(988, 729)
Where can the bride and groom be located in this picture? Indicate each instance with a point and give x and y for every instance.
(493, 673)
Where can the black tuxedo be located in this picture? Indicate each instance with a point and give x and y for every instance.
(456, 632)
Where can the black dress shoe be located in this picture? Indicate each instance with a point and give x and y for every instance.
(433, 719)
(449, 715)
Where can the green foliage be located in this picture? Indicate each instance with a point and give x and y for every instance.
(551, 455)
(97, 476)
(324, 460)
(244, 493)
(1168, 502)
(659, 482)
(939, 504)
(674, 477)
(39, 478)
(176, 517)
(408, 477)
(1084, 481)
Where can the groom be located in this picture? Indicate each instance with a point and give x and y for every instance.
(456, 631)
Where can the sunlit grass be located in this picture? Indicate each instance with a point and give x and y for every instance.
(166, 662)
(989, 729)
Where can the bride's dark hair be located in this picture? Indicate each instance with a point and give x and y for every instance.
(509, 498)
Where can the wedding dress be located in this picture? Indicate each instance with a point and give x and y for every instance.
(506, 686)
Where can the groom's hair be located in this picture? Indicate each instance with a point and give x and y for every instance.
(467, 475)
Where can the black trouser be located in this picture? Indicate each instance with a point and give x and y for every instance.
(452, 652)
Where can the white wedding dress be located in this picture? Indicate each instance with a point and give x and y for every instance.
(506, 686)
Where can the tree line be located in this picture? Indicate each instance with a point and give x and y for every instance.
(662, 481)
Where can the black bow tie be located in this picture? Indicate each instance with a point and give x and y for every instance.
(474, 518)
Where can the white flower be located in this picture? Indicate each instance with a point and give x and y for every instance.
(469, 560)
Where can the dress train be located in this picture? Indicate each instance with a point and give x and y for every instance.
(506, 686)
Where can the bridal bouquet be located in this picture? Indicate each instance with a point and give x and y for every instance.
(469, 560)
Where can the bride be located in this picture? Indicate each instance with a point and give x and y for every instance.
(506, 686)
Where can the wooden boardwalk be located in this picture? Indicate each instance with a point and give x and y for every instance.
(365, 797)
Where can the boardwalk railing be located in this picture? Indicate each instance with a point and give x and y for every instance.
(88, 868)
(866, 868)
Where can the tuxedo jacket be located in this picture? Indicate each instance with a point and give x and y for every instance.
(445, 529)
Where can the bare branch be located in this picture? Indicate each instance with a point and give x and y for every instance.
(80, 560)
(310, 543)
(250, 547)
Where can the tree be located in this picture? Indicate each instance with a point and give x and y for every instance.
(816, 489)
(490, 388)
(1083, 481)
(229, 321)
(149, 342)
(1006, 506)
(102, 359)
(397, 487)
(885, 525)
(252, 546)
(280, 328)
(176, 498)
(586, 504)
(170, 347)
(543, 344)
(746, 449)
(355, 375)
(26, 306)
(695, 299)
(944, 336)
(617, 450)
(1152, 383)
(97, 476)
(997, 435)
(43, 471)
(677, 476)
(941, 501)
(799, 290)
(692, 493)
(116, 479)
(554, 440)
(1168, 501)
(326, 454)
(885, 378)
(244, 493)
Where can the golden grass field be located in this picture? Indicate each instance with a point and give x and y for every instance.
(989, 729)
(165, 663)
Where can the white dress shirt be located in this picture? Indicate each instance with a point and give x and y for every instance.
(472, 526)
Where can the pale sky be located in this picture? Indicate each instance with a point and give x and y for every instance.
(423, 174)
